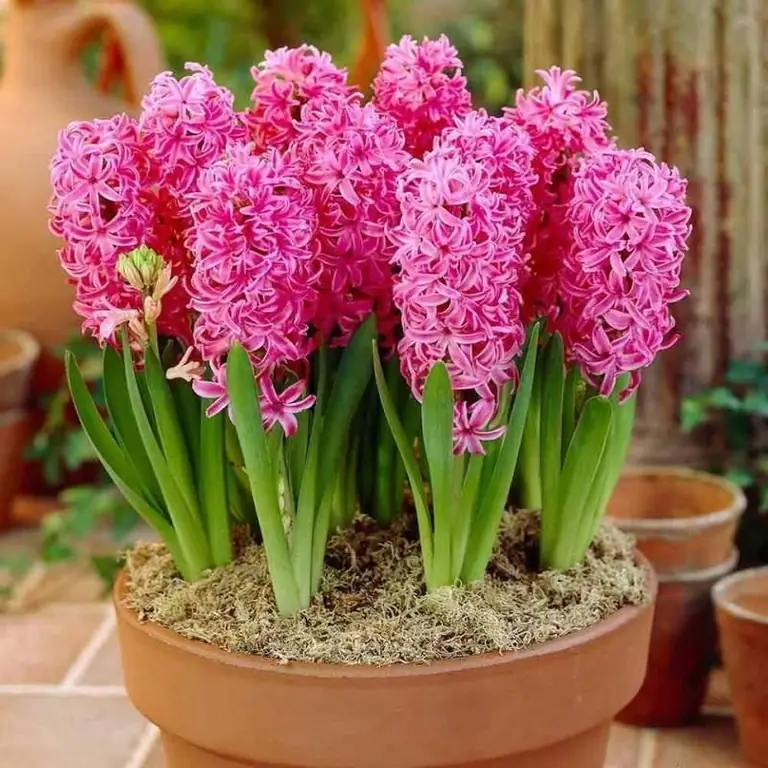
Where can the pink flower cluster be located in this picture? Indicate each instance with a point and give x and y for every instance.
(286, 226)
(630, 225)
(290, 84)
(422, 87)
(465, 207)
(563, 123)
(352, 156)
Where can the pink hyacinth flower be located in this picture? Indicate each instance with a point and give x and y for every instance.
(630, 228)
(422, 87)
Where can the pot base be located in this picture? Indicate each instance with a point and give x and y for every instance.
(586, 750)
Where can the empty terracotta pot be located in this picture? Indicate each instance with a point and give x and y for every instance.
(550, 707)
(741, 604)
(683, 520)
(683, 642)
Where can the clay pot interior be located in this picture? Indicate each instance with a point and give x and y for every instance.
(744, 595)
(683, 520)
(18, 354)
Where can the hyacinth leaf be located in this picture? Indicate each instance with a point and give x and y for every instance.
(553, 385)
(530, 452)
(189, 528)
(494, 498)
(570, 408)
(189, 407)
(470, 488)
(213, 485)
(121, 414)
(405, 447)
(296, 453)
(387, 457)
(580, 469)
(437, 440)
(350, 382)
(169, 428)
(246, 415)
(114, 460)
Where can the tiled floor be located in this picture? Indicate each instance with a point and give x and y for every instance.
(62, 703)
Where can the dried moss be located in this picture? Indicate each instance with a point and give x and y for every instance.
(373, 609)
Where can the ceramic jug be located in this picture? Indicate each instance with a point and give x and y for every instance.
(43, 87)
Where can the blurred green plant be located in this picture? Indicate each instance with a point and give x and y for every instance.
(739, 407)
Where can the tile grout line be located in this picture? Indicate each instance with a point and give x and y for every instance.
(96, 642)
(647, 750)
(91, 691)
(143, 748)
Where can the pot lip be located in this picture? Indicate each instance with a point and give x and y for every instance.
(29, 350)
(681, 524)
(326, 670)
(713, 573)
(722, 601)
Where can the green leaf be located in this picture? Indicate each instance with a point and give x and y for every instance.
(494, 499)
(77, 449)
(740, 476)
(756, 402)
(187, 525)
(693, 413)
(189, 408)
(581, 466)
(121, 413)
(723, 398)
(262, 477)
(213, 486)
(437, 439)
(550, 442)
(405, 447)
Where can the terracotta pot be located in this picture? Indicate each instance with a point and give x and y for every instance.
(683, 643)
(549, 707)
(741, 605)
(18, 354)
(43, 88)
(14, 434)
(683, 520)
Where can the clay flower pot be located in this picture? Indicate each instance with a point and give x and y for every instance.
(551, 706)
(683, 520)
(741, 602)
(684, 523)
(14, 435)
(18, 355)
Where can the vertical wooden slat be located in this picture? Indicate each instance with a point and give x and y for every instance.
(687, 79)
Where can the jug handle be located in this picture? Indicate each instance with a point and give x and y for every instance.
(130, 33)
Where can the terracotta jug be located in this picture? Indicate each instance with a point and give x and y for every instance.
(42, 89)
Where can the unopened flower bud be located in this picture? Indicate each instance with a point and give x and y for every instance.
(141, 268)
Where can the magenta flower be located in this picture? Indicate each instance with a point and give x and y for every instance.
(289, 83)
(282, 407)
(470, 426)
(460, 257)
(351, 158)
(630, 225)
(255, 247)
(563, 124)
(422, 87)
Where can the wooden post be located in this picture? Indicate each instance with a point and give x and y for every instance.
(687, 79)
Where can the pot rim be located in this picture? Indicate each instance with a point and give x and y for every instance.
(713, 573)
(489, 660)
(29, 350)
(680, 524)
(724, 603)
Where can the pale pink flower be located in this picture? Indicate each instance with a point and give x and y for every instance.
(187, 369)
(422, 87)
(630, 228)
(290, 83)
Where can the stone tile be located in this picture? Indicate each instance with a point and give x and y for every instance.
(105, 668)
(67, 731)
(39, 647)
(155, 759)
(624, 747)
(712, 744)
